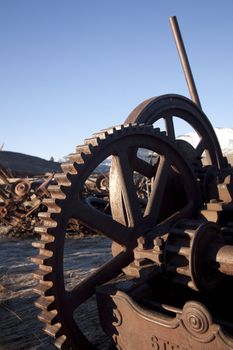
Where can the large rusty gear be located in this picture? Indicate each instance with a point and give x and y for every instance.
(67, 202)
(166, 107)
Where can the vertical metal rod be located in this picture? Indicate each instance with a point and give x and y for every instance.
(184, 60)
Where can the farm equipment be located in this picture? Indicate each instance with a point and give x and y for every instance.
(169, 283)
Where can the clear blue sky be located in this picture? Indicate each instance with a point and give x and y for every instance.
(70, 68)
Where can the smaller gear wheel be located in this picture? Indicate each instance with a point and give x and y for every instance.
(186, 253)
(21, 188)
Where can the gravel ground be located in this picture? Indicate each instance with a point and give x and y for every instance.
(19, 327)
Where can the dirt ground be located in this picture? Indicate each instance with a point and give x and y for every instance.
(19, 326)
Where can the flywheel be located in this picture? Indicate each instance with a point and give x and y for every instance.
(124, 145)
(172, 109)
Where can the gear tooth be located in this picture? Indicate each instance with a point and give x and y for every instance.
(56, 192)
(86, 156)
(46, 268)
(42, 275)
(41, 259)
(150, 127)
(70, 176)
(129, 125)
(192, 285)
(132, 125)
(119, 127)
(141, 126)
(78, 167)
(80, 158)
(43, 290)
(76, 158)
(46, 252)
(44, 231)
(178, 249)
(45, 303)
(184, 270)
(181, 279)
(190, 233)
(123, 128)
(68, 167)
(54, 331)
(126, 129)
(46, 238)
(109, 130)
(40, 229)
(62, 179)
(44, 215)
(65, 190)
(51, 205)
(50, 317)
(39, 244)
(83, 149)
(47, 216)
(59, 202)
(47, 221)
(100, 135)
(163, 133)
(180, 232)
(94, 141)
(62, 343)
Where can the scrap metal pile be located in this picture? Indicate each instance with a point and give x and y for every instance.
(21, 199)
(169, 284)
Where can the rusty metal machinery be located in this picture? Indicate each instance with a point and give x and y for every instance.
(169, 283)
(170, 108)
(211, 168)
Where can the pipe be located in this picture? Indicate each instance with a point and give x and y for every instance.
(184, 60)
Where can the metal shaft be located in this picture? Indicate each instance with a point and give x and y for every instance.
(184, 60)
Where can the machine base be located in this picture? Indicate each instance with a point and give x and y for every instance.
(133, 327)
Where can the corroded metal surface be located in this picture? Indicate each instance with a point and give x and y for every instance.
(171, 106)
(20, 201)
(133, 327)
(58, 304)
(169, 215)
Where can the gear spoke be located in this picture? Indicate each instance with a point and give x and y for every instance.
(170, 127)
(103, 223)
(158, 187)
(200, 147)
(105, 273)
(143, 167)
(122, 170)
